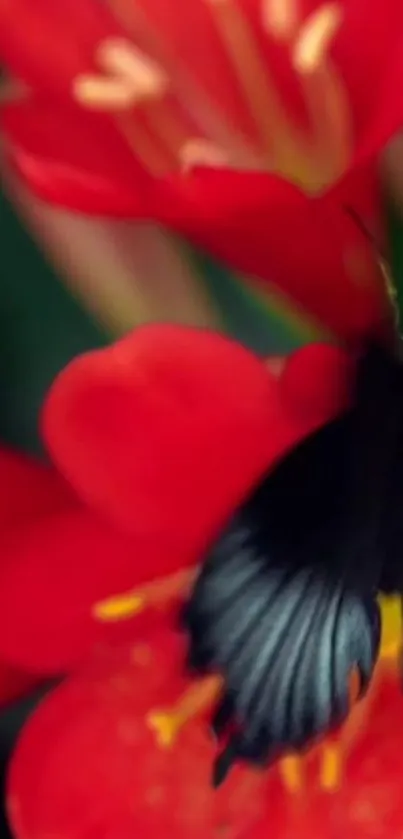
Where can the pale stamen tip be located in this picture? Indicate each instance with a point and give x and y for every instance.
(199, 152)
(279, 18)
(101, 94)
(119, 53)
(123, 62)
(316, 37)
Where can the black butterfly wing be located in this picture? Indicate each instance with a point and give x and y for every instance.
(285, 640)
(285, 606)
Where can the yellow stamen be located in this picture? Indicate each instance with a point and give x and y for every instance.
(129, 77)
(325, 95)
(292, 772)
(280, 18)
(312, 159)
(157, 593)
(147, 83)
(392, 627)
(192, 94)
(118, 608)
(200, 152)
(331, 768)
(104, 94)
(122, 59)
(260, 93)
(167, 724)
(316, 37)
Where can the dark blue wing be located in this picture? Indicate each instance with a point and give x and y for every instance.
(285, 606)
(286, 641)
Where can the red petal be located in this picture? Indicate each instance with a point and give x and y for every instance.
(15, 684)
(371, 61)
(56, 149)
(88, 765)
(316, 381)
(28, 489)
(311, 249)
(166, 430)
(48, 44)
(52, 574)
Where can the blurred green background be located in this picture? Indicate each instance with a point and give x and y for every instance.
(42, 326)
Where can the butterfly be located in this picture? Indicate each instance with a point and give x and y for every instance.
(285, 607)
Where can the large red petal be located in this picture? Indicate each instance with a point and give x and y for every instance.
(312, 249)
(167, 430)
(88, 766)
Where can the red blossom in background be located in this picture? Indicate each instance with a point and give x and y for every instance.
(244, 125)
(173, 426)
(161, 435)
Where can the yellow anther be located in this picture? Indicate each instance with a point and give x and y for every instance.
(198, 698)
(292, 772)
(331, 768)
(118, 608)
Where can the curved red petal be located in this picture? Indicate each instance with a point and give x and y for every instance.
(166, 430)
(15, 684)
(316, 382)
(311, 249)
(74, 189)
(57, 150)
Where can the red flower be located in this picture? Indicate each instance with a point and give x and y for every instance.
(262, 133)
(162, 435)
(108, 773)
(142, 426)
(121, 750)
